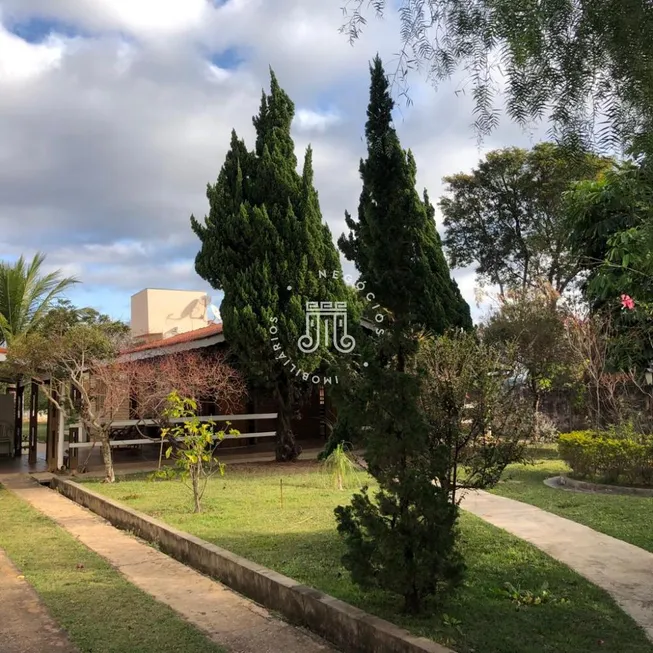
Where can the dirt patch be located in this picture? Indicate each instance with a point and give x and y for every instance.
(264, 467)
(27, 627)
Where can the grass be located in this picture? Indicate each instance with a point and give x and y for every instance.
(41, 431)
(244, 513)
(626, 517)
(100, 610)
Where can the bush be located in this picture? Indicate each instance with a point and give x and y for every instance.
(445, 422)
(613, 456)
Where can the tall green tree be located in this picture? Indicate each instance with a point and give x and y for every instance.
(64, 315)
(531, 324)
(585, 65)
(264, 244)
(27, 295)
(611, 228)
(396, 248)
(394, 243)
(508, 218)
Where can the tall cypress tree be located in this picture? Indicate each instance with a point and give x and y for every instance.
(394, 243)
(404, 538)
(264, 244)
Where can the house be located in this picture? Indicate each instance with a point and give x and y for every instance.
(166, 322)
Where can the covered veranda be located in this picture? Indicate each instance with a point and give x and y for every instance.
(20, 450)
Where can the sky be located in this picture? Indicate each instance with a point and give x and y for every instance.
(115, 114)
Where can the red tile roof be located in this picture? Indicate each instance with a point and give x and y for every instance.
(188, 336)
(3, 350)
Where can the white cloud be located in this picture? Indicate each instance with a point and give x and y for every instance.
(20, 61)
(107, 140)
(140, 17)
(315, 121)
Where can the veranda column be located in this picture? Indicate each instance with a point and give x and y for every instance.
(60, 439)
(18, 419)
(53, 422)
(33, 422)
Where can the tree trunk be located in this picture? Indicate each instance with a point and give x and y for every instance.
(109, 476)
(196, 489)
(287, 449)
(536, 402)
(412, 602)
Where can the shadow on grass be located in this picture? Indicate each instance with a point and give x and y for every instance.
(480, 615)
(542, 452)
(100, 610)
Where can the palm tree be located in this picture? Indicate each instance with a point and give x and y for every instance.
(26, 295)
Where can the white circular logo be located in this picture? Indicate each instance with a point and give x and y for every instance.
(326, 323)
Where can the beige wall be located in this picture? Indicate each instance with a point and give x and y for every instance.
(167, 312)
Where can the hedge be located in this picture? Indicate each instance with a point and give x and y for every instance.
(608, 457)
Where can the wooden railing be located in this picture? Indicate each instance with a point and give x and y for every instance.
(75, 429)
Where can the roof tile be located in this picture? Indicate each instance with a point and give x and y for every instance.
(188, 336)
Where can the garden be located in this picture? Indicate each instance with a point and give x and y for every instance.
(624, 516)
(282, 517)
(437, 405)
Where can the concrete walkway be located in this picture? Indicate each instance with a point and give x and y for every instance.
(623, 570)
(229, 619)
(25, 624)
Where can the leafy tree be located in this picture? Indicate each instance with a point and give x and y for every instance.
(507, 216)
(468, 423)
(264, 244)
(586, 66)
(192, 445)
(532, 325)
(394, 243)
(64, 315)
(86, 379)
(611, 229)
(26, 295)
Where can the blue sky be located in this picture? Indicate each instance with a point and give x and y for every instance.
(114, 114)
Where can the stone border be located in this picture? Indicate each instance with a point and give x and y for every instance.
(349, 628)
(571, 484)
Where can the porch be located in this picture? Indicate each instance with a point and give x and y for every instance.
(20, 449)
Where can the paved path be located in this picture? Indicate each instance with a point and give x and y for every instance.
(227, 618)
(25, 624)
(623, 570)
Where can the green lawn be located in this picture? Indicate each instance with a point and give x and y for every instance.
(100, 610)
(41, 431)
(244, 514)
(626, 517)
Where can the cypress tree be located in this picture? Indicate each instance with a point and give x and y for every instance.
(395, 244)
(264, 244)
(404, 538)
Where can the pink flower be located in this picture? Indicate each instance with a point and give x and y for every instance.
(627, 302)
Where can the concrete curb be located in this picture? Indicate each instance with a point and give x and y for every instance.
(350, 629)
(567, 483)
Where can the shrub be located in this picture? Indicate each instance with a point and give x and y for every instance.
(192, 445)
(448, 421)
(613, 456)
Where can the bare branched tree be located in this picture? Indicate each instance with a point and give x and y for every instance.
(609, 392)
(85, 379)
(200, 377)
